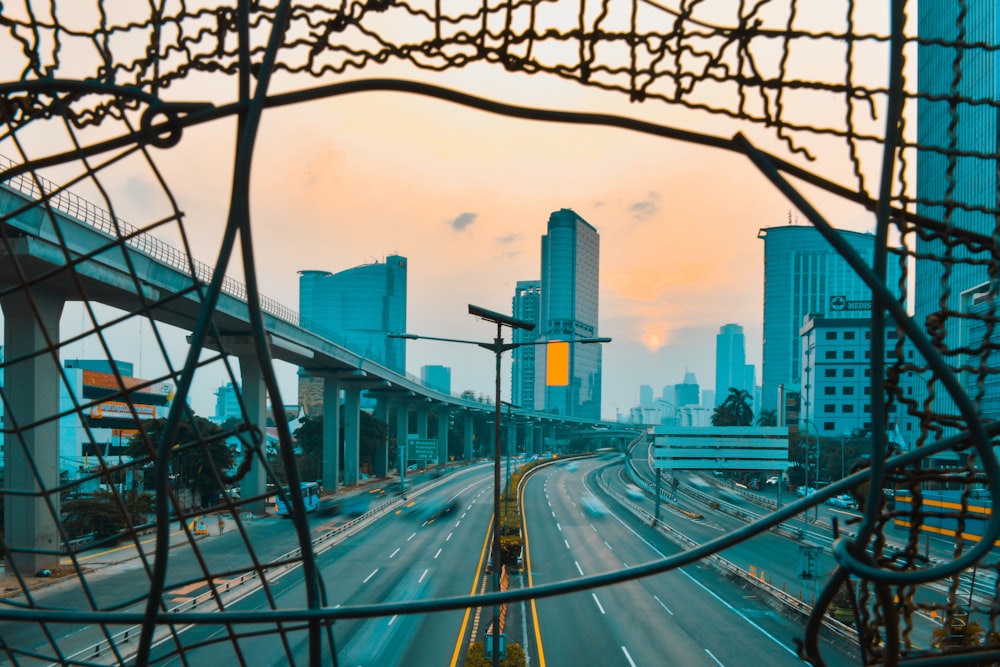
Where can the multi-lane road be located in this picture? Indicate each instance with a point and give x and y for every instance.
(434, 546)
(690, 616)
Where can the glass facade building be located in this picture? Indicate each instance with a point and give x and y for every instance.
(358, 307)
(730, 362)
(569, 310)
(527, 301)
(957, 174)
(804, 275)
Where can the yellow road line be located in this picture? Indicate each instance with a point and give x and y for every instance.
(527, 567)
(127, 546)
(475, 582)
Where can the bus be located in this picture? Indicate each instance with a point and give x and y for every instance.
(310, 498)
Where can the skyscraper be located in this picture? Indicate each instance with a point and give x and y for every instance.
(527, 301)
(803, 275)
(687, 392)
(358, 307)
(569, 310)
(730, 362)
(436, 377)
(957, 177)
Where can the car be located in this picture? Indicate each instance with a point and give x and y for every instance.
(771, 480)
(593, 506)
(634, 492)
(844, 501)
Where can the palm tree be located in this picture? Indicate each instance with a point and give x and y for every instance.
(720, 417)
(736, 408)
(767, 418)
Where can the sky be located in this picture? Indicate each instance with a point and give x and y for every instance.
(465, 195)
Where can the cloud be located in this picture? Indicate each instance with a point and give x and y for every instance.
(463, 221)
(646, 208)
(509, 238)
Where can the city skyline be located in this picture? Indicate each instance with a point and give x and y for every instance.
(464, 195)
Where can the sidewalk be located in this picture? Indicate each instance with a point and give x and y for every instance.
(89, 562)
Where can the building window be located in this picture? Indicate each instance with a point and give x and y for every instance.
(848, 335)
(892, 335)
(868, 372)
(829, 391)
(831, 335)
(847, 407)
(868, 407)
(829, 426)
(829, 407)
(868, 335)
(849, 390)
(848, 354)
(868, 354)
(868, 390)
(829, 372)
(830, 354)
(848, 372)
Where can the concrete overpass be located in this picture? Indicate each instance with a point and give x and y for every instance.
(58, 248)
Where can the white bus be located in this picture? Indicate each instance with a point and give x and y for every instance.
(310, 498)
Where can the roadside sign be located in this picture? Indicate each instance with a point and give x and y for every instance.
(808, 567)
(423, 449)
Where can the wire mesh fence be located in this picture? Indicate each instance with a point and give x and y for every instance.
(893, 108)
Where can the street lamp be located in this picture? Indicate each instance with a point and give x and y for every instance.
(498, 347)
(816, 428)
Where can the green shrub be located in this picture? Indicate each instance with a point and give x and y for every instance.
(510, 549)
(475, 657)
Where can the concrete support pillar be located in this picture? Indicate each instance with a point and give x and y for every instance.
(402, 434)
(509, 448)
(422, 413)
(529, 439)
(381, 463)
(31, 449)
(444, 419)
(254, 485)
(352, 434)
(467, 432)
(331, 433)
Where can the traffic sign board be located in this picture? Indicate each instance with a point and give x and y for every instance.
(423, 449)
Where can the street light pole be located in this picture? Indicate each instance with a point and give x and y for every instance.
(842, 470)
(498, 347)
(805, 515)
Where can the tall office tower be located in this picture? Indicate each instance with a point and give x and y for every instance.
(437, 378)
(804, 275)
(957, 177)
(687, 393)
(356, 308)
(569, 310)
(227, 403)
(645, 395)
(730, 361)
(527, 299)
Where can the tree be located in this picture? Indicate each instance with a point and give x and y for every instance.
(767, 418)
(735, 410)
(373, 434)
(103, 514)
(309, 442)
(199, 458)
